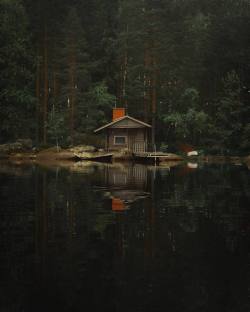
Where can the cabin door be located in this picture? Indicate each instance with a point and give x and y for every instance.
(136, 142)
(139, 147)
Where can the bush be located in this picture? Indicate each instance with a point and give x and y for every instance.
(164, 147)
(89, 139)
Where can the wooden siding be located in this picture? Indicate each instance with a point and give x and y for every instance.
(136, 139)
(127, 123)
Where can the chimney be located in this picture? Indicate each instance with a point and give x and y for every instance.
(118, 113)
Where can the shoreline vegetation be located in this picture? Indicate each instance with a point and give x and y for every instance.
(23, 152)
(180, 66)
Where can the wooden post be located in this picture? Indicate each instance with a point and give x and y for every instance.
(107, 138)
(127, 140)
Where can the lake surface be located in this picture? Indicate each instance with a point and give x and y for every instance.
(123, 238)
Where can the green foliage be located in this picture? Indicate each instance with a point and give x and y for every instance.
(245, 139)
(190, 97)
(199, 52)
(186, 122)
(98, 103)
(230, 112)
(187, 126)
(164, 147)
(57, 127)
(16, 65)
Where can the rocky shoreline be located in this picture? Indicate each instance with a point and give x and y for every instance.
(22, 151)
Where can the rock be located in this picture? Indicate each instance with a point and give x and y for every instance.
(126, 152)
(192, 153)
(192, 165)
(247, 158)
(10, 148)
(26, 143)
(53, 149)
(3, 156)
(20, 145)
(83, 155)
(4, 149)
(49, 153)
(83, 149)
(123, 154)
(35, 149)
(247, 161)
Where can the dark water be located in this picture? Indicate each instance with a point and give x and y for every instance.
(125, 238)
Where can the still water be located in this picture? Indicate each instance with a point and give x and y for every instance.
(124, 238)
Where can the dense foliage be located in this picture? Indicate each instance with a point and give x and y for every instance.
(181, 65)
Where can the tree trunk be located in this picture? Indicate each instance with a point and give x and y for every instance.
(38, 99)
(146, 82)
(46, 86)
(72, 89)
(54, 84)
(154, 101)
(125, 72)
(123, 76)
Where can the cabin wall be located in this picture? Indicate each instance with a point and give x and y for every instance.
(135, 139)
(111, 139)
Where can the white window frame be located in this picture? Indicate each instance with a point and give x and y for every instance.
(120, 136)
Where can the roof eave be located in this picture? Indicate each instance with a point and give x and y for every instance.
(119, 119)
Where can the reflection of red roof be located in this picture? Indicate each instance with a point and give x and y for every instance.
(117, 204)
(120, 119)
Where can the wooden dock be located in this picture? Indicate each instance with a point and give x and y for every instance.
(142, 157)
(156, 157)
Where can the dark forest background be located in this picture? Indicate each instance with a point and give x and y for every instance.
(183, 65)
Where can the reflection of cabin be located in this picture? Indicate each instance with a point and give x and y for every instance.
(127, 184)
(127, 177)
(124, 184)
(125, 132)
(118, 205)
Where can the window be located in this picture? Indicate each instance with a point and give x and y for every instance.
(120, 140)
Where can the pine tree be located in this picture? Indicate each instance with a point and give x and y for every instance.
(230, 114)
(74, 69)
(16, 65)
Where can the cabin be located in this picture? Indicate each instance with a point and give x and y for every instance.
(125, 132)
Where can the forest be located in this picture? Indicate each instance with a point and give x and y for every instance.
(181, 65)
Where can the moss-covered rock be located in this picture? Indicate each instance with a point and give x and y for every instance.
(11, 148)
(83, 149)
(20, 145)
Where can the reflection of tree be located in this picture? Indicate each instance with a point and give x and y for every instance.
(182, 245)
(167, 246)
(176, 251)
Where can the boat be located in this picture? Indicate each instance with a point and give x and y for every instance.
(94, 157)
